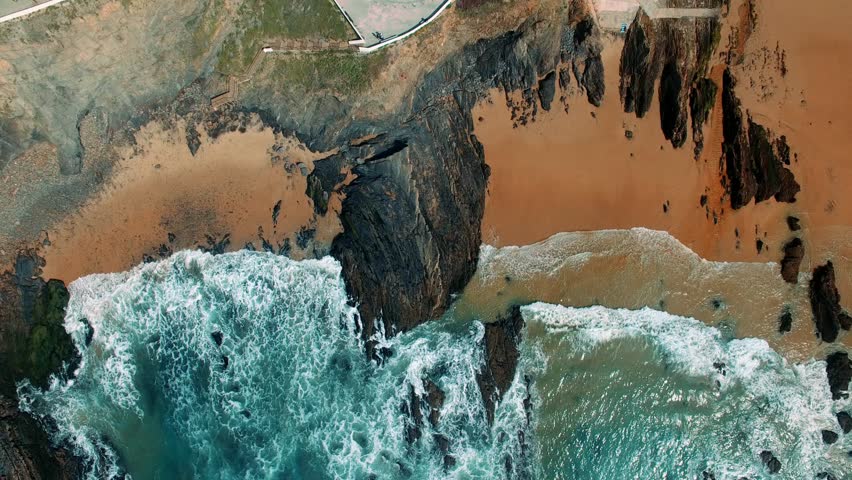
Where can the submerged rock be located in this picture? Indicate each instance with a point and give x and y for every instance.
(838, 368)
(825, 304)
(829, 437)
(431, 402)
(773, 465)
(845, 421)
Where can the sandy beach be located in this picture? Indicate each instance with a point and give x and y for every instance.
(230, 187)
(579, 171)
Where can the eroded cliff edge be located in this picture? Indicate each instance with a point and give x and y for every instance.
(412, 216)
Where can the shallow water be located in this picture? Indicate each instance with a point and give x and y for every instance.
(653, 395)
(288, 393)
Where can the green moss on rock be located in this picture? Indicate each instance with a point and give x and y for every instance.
(47, 346)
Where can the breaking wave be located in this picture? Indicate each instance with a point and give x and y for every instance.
(654, 395)
(246, 365)
(249, 365)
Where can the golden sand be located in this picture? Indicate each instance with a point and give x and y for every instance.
(229, 187)
(578, 171)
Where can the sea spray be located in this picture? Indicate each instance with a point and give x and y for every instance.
(652, 395)
(247, 365)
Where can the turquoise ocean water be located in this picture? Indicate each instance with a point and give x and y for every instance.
(246, 365)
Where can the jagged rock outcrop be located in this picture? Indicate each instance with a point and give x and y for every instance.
(34, 345)
(584, 51)
(754, 162)
(794, 251)
(701, 100)
(26, 452)
(838, 369)
(675, 52)
(547, 90)
(501, 358)
(829, 317)
(501, 345)
(411, 218)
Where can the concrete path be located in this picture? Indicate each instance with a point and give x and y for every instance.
(654, 11)
(618, 14)
(27, 11)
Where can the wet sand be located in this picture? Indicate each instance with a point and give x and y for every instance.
(230, 187)
(578, 171)
(637, 268)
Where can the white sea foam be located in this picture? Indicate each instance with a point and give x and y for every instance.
(297, 396)
(752, 393)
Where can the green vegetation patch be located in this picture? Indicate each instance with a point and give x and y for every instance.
(47, 346)
(343, 73)
(262, 20)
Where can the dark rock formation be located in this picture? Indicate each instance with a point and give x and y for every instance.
(547, 90)
(740, 179)
(754, 164)
(825, 476)
(793, 224)
(33, 345)
(675, 51)
(825, 304)
(501, 359)
(411, 218)
(773, 465)
(844, 419)
(430, 403)
(701, 101)
(785, 321)
(582, 46)
(838, 369)
(829, 437)
(26, 452)
(793, 253)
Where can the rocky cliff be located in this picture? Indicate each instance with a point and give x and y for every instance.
(676, 52)
(411, 218)
(754, 160)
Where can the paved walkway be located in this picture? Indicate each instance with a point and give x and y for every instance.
(654, 11)
(618, 14)
(9, 6)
